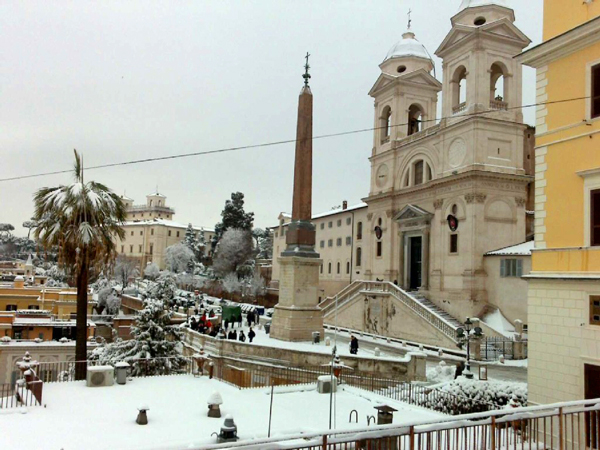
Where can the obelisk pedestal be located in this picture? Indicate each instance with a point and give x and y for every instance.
(298, 316)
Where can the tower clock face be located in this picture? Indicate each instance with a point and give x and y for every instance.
(382, 175)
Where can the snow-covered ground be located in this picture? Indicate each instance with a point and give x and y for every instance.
(77, 417)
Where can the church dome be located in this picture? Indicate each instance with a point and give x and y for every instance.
(408, 46)
(475, 3)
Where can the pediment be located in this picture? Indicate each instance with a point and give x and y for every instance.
(457, 34)
(421, 76)
(507, 29)
(383, 80)
(412, 212)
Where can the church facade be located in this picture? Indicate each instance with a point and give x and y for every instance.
(446, 191)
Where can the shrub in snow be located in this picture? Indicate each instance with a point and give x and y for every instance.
(151, 271)
(179, 258)
(155, 348)
(215, 399)
(165, 288)
(471, 396)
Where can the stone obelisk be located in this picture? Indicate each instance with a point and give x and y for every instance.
(298, 315)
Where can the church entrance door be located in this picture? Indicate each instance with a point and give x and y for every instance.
(592, 419)
(416, 262)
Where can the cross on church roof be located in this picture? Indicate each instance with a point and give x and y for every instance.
(306, 75)
(409, 18)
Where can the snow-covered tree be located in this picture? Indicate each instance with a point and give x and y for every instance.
(56, 277)
(256, 286)
(165, 287)
(126, 268)
(108, 301)
(151, 271)
(30, 224)
(5, 229)
(264, 243)
(155, 347)
(84, 220)
(233, 216)
(201, 244)
(231, 283)
(179, 258)
(234, 250)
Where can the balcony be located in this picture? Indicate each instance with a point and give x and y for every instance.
(498, 105)
(459, 108)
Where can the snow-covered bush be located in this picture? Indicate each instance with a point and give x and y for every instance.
(165, 288)
(155, 347)
(231, 283)
(179, 258)
(151, 271)
(471, 396)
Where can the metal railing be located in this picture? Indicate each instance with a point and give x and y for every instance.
(17, 395)
(564, 426)
(494, 347)
(385, 287)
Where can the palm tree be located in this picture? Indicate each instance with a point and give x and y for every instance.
(81, 220)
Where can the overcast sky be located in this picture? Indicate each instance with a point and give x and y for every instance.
(123, 80)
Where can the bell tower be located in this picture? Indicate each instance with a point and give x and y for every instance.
(480, 72)
(405, 93)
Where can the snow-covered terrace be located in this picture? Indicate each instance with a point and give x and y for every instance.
(78, 417)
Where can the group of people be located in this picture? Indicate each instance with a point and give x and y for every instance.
(204, 325)
(233, 335)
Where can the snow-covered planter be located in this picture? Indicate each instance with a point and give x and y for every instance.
(5, 339)
(214, 404)
(63, 340)
(37, 340)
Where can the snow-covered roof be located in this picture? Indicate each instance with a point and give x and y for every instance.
(523, 249)
(475, 3)
(408, 46)
(164, 222)
(156, 194)
(124, 197)
(46, 322)
(333, 212)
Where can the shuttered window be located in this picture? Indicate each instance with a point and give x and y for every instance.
(595, 218)
(595, 310)
(596, 91)
(511, 268)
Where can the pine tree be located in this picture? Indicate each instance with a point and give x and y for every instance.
(190, 237)
(234, 216)
(165, 288)
(155, 345)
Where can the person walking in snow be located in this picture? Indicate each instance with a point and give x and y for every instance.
(353, 345)
(251, 334)
(242, 337)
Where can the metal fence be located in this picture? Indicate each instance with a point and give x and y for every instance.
(566, 426)
(17, 395)
(493, 347)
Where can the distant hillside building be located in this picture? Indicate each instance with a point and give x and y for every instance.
(149, 230)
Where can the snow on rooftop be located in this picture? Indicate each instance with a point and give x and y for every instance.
(329, 213)
(523, 249)
(408, 46)
(177, 415)
(475, 3)
(166, 223)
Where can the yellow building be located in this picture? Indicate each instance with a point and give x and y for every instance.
(564, 285)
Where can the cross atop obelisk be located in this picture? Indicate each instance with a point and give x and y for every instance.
(300, 238)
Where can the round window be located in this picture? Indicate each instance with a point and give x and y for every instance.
(480, 21)
(401, 69)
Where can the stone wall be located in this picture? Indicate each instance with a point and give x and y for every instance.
(409, 368)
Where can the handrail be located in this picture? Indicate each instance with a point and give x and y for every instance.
(361, 286)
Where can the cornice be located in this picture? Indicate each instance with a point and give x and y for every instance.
(562, 45)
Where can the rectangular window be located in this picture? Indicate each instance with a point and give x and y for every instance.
(36, 307)
(132, 233)
(131, 249)
(169, 233)
(330, 224)
(454, 243)
(122, 249)
(419, 173)
(329, 267)
(339, 268)
(379, 249)
(595, 310)
(152, 231)
(359, 231)
(140, 249)
(322, 244)
(511, 268)
(348, 220)
(339, 242)
(339, 222)
(322, 225)
(178, 234)
(348, 268)
(151, 248)
(348, 240)
(11, 307)
(321, 268)
(358, 257)
(141, 233)
(595, 218)
(330, 243)
(596, 91)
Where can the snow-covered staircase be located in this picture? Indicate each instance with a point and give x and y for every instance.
(418, 304)
(433, 307)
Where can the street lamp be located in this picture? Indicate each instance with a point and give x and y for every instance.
(466, 338)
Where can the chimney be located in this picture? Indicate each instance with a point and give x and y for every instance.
(345, 205)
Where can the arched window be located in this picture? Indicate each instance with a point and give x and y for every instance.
(150, 202)
(347, 267)
(329, 268)
(459, 90)
(415, 119)
(498, 87)
(358, 257)
(339, 268)
(385, 124)
(417, 173)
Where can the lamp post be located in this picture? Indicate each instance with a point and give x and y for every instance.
(465, 338)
